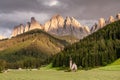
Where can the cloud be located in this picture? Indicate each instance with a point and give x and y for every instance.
(21, 17)
(9, 20)
(52, 3)
(14, 12)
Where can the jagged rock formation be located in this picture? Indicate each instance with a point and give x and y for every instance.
(56, 26)
(34, 24)
(18, 30)
(102, 22)
(29, 26)
(55, 22)
(111, 19)
(87, 29)
(118, 16)
(70, 26)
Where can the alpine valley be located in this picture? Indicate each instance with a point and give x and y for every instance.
(34, 44)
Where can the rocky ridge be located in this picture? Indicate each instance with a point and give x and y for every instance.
(57, 25)
(20, 29)
(102, 22)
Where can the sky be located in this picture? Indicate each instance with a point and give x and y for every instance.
(87, 12)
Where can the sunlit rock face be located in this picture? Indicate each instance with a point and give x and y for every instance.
(18, 30)
(101, 22)
(27, 27)
(21, 29)
(70, 26)
(54, 24)
(111, 19)
(14, 33)
(73, 27)
(118, 16)
(87, 29)
(34, 24)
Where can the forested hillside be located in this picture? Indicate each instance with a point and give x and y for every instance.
(29, 50)
(97, 49)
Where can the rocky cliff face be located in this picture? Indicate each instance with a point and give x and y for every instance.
(118, 16)
(35, 24)
(54, 24)
(111, 19)
(29, 26)
(57, 25)
(87, 29)
(102, 22)
(70, 26)
(18, 30)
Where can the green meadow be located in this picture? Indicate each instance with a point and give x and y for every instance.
(104, 73)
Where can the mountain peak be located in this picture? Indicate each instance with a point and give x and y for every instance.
(118, 16)
(19, 29)
(33, 20)
(56, 16)
(35, 24)
(101, 22)
(111, 19)
(55, 22)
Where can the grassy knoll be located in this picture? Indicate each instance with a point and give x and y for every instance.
(115, 66)
(117, 62)
(95, 74)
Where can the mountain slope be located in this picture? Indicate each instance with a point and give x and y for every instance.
(97, 49)
(32, 48)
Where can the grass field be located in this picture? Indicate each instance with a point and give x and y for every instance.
(110, 72)
(94, 74)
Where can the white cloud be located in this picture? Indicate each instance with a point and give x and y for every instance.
(53, 3)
